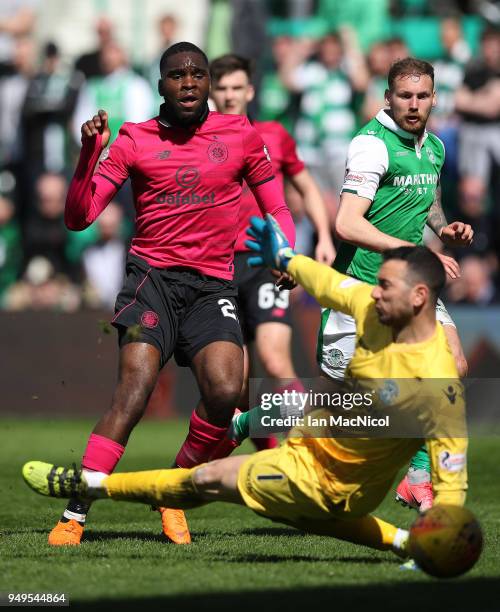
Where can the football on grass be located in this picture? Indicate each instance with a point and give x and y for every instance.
(446, 541)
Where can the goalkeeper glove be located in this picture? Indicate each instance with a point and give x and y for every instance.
(270, 244)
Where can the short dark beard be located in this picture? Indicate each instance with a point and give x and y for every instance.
(167, 113)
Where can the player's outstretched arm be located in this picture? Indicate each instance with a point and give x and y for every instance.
(329, 287)
(88, 195)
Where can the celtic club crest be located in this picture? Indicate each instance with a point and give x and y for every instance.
(217, 152)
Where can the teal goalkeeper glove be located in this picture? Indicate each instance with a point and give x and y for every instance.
(270, 243)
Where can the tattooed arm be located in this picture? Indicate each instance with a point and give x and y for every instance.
(451, 234)
(436, 219)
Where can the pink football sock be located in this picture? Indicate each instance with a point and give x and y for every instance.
(201, 441)
(101, 454)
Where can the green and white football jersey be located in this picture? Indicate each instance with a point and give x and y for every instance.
(399, 175)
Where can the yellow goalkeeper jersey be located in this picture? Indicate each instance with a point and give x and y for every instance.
(357, 472)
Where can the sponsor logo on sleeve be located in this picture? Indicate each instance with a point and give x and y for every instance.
(452, 462)
(354, 179)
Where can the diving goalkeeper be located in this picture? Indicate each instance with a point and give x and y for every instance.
(327, 486)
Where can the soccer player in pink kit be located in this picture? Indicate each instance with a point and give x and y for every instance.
(186, 166)
(264, 309)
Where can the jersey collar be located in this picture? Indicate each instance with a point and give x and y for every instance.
(162, 117)
(388, 122)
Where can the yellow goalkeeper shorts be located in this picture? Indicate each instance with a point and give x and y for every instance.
(281, 484)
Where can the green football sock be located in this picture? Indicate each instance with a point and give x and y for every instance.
(251, 420)
(421, 460)
(241, 426)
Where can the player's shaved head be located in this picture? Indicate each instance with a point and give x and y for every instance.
(423, 266)
(181, 47)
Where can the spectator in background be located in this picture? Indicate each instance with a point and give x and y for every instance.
(448, 76)
(475, 286)
(276, 101)
(125, 95)
(478, 101)
(48, 105)
(379, 63)
(249, 38)
(369, 18)
(328, 83)
(398, 49)
(10, 247)
(13, 90)
(45, 233)
(167, 27)
(104, 261)
(17, 19)
(89, 64)
(42, 289)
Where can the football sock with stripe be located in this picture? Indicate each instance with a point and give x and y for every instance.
(421, 461)
(76, 510)
(101, 455)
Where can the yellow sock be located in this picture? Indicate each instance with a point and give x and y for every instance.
(171, 488)
(366, 530)
(370, 531)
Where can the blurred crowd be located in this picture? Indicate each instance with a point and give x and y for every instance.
(322, 85)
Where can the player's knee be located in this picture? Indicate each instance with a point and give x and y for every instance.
(207, 476)
(133, 391)
(224, 393)
(276, 365)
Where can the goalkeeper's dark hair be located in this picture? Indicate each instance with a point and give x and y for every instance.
(180, 47)
(424, 266)
(229, 63)
(409, 66)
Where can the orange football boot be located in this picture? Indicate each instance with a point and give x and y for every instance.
(175, 525)
(66, 534)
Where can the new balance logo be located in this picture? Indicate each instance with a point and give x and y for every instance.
(162, 155)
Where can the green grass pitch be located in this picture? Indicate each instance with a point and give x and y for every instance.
(238, 560)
